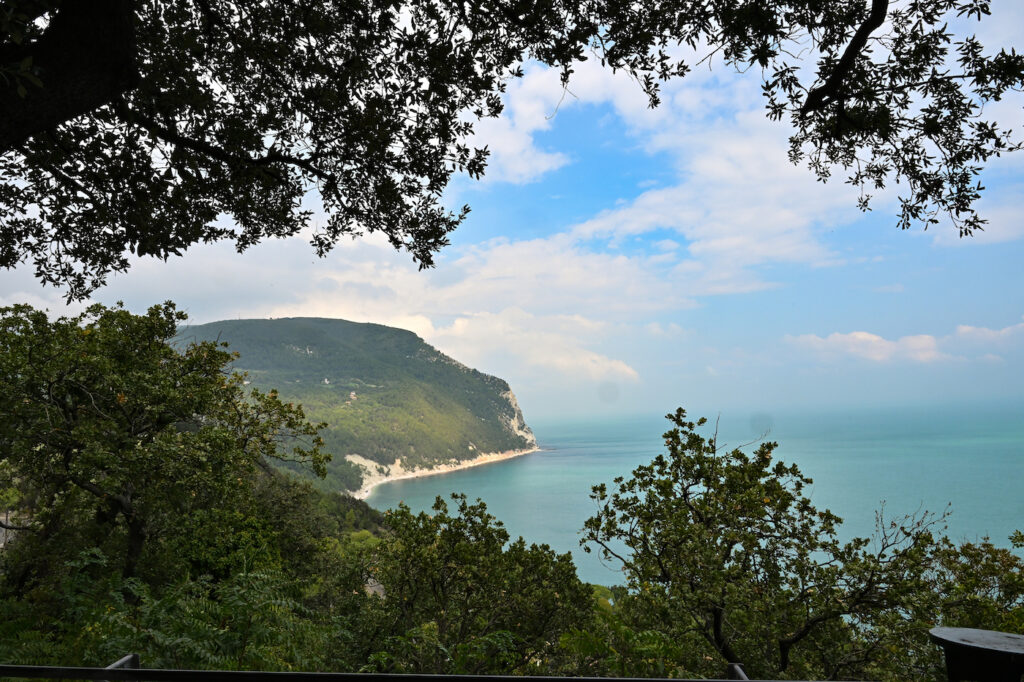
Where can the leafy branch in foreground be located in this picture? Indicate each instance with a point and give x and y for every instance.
(116, 439)
(727, 559)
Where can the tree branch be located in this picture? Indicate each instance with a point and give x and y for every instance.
(612, 553)
(818, 97)
(132, 116)
(123, 504)
(720, 641)
(786, 643)
(11, 526)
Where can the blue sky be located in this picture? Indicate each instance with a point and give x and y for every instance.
(619, 259)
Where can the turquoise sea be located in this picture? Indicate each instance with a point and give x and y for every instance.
(968, 458)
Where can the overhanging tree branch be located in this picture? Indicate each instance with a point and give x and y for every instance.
(11, 526)
(372, 113)
(820, 96)
(213, 151)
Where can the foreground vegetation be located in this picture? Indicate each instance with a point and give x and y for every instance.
(144, 517)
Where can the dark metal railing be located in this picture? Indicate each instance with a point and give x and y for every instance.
(128, 669)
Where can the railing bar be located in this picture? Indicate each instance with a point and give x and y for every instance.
(168, 675)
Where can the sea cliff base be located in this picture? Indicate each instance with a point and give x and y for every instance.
(375, 473)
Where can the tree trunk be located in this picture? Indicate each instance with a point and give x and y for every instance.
(84, 59)
(136, 541)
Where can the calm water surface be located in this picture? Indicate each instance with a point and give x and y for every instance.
(971, 459)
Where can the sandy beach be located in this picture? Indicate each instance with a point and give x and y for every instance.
(374, 473)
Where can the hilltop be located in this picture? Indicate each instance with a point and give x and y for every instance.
(384, 393)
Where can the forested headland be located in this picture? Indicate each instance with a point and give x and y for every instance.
(381, 393)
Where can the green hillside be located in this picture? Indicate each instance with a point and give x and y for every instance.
(383, 391)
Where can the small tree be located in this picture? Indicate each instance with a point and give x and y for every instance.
(117, 439)
(724, 553)
(457, 597)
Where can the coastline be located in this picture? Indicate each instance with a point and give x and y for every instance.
(373, 476)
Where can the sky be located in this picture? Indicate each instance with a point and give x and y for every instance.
(624, 260)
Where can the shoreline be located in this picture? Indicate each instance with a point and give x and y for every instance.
(373, 477)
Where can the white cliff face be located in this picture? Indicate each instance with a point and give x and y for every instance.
(375, 473)
(516, 423)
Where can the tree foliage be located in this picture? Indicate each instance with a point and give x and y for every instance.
(143, 512)
(136, 126)
(146, 517)
(728, 561)
(116, 438)
(456, 597)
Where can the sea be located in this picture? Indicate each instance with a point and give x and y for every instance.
(964, 460)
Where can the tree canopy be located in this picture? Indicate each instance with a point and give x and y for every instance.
(146, 126)
(140, 513)
(117, 440)
(727, 560)
(459, 596)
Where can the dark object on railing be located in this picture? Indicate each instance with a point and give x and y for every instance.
(125, 673)
(980, 655)
(130, 661)
(734, 671)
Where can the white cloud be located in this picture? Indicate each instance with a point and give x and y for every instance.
(514, 157)
(504, 307)
(740, 206)
(918, 348)
(966, 342)
(538, 343)
(19, 286)
(530, 104)
(1013, 333)
(1005, 223)
(55, 307)
(663, 330)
